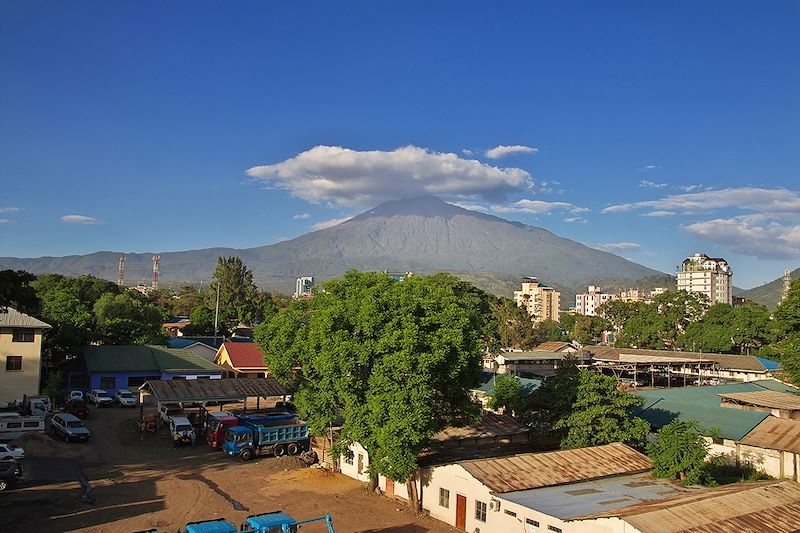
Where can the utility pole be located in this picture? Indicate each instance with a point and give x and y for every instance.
(216, 316)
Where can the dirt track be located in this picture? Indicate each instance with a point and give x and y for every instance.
(140, 482)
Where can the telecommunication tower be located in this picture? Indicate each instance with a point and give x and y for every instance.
(156, 260)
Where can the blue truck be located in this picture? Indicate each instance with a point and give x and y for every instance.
(275, 522)
(248, 439)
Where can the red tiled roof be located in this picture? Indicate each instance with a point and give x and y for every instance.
(245, 355)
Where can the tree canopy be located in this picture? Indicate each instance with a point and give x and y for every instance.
(601, 415)
(506, 394)
(16, 291)
(394, 359)
(239, 299)
(679, 452)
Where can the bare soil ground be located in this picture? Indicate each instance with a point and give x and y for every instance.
(139, 482)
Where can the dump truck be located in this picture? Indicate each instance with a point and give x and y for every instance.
(216, 425)
(275, 522)
(248, 440)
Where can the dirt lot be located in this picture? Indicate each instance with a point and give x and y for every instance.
(140, 482)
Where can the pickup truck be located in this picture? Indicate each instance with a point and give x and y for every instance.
(181, 431)
(69, 427)
(100, 398)
(125, 398)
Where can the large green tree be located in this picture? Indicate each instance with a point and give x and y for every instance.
(552, 401)
(239, 299)
(16, 291)
(679, 452)
(394, 359)
(126, 319)
(514, 327)
(601, 415)
(506, 394)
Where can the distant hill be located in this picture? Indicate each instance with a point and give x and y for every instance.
(422, 235)
(770, 293)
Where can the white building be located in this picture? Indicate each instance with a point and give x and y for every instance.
(540, 301)
(588, 302)
(303, 286)
(711, 276)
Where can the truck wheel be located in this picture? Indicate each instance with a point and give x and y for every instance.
(247, 454)
(293, 448)
(279, 450)
(3, 485)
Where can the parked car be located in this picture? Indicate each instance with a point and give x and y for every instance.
(69, 427)
(78, 408)
(10, 472)
(76, 395)
(167, 411)
(181, 431)
(9, 451)
(125, 398)
(100, 398)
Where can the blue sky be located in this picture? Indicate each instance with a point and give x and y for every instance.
(654, 130)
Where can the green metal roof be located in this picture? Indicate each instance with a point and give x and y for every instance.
(662, 406)
(144, 359)
(527, 386)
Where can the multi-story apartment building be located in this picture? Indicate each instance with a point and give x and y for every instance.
(303, 286)
(711, 276)
(540, 301)
(588, 302)
(21, 350)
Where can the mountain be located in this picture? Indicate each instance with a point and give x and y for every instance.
(423, 235)
(770, 293)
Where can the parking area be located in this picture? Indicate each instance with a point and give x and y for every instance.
(139, 482)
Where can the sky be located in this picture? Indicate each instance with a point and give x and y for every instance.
(650, 130)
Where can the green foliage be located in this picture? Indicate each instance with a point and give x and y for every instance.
(548, 330)
(552, 401)
(54, 387)
(239, 299)
(126, 319)
(787, 314)
(589, 330)
(680, 453)
(17, 292)
(726, 329)
(514, 326)
(601, 415)
(506, 394)
(394, 359)
(717, 471)
(201, 321)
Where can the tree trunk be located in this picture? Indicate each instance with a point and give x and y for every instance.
(373, 481)
(413, 497)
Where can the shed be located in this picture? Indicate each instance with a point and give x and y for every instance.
(779, 404)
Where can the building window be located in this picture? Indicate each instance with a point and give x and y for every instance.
(554, 529)
(22, 335)
(13, 363)
(444, 498)
(510, 513)
(78, 381)
(530, 522)
(108, 383)
(480, 511)
(349, 456)
(135, 382)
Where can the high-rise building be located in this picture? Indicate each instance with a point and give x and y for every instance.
(711, 276)
(588, 302)
(540, 301)
(787, 283)
(303, 286)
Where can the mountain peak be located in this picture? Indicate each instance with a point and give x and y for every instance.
(426, 206)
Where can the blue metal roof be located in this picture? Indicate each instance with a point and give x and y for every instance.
(768, 364)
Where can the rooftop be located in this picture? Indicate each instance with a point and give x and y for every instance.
(536, 470)
(725, 361)
(492, 425)
(769, 399)
(245, 355)
(772, 506)
(12, 318)
(134, 358)
(198, 390)
(775, 434)
(527, 386)
(554, 346)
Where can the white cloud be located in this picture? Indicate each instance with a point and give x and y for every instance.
(10, 209)
(471, 207)
(4, 221)
(329, 223)
(754, 235)
(352, 178)
(648, 168)
(550, 187)
(690, 188)
(776, 201)
(467, 152)
(575, 220)
(651, 185)
(80, 219)
(539, 207)
(659, 214)
(302, 216)
(616, 247)
(499, 152)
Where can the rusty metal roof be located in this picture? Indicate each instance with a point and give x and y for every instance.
(198, 390)
(775, 434)
(535, 470)
(492, 425)
(771, 399)
(772, 506)
(746, 363)
(11, 318)
(554, 346)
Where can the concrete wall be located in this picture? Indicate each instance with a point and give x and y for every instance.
(16, 383)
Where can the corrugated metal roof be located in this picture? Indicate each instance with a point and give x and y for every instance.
(144, 359)
(492, 425)
(12, 318)
(702, 404)
(245, 355)
(554, 346)
(645, 359)
(746, 363)
(527, 386)
(534, 470)
(198, 390)
(771, 399)
(743, 507)
(775, 434)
